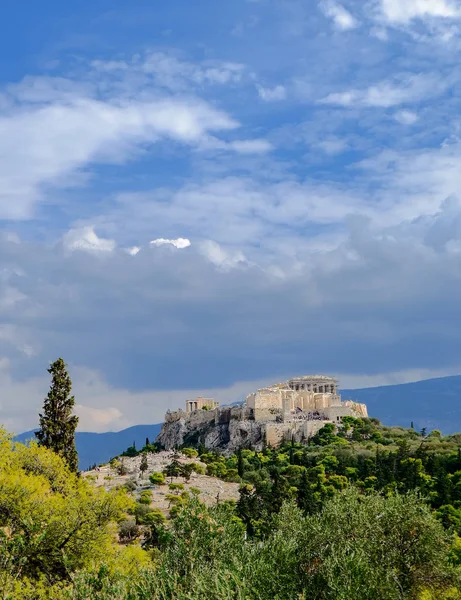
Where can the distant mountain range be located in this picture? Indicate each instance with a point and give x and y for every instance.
(99, 448)
(432, 403)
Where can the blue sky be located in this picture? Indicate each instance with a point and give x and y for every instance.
(206, 197)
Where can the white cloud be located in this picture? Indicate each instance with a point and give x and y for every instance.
(399, 11)
(173, 73)
(98, 419)
(53, 128)
(406, 117)
(43, 146)
(85, 238)
(279, 221)
(341, 17)
(274, 94)
(251, 146)
(256, 146)
(222, 258)
(133, 250)
(10, 298)
(404, 89)
(332, 146)
(239, 212)
(179, 243)
(379, 33)
(15, 338)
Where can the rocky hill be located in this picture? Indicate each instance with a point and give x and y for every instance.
(211, 489)
(220, 429)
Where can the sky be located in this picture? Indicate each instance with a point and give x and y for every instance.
(206, 197)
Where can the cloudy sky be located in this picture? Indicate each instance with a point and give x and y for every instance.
(207, 196)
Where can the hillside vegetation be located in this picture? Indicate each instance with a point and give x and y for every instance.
(365, 513)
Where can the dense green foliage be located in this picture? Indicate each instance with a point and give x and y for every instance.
(358, 548)
(363, 454)
(57, 423)
(52, 522)
(364, 513)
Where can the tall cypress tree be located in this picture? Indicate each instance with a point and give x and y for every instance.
(306, 496)
(57, 423)
(240, 463)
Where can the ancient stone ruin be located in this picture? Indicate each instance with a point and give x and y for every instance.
(296, 409)
(201, 403)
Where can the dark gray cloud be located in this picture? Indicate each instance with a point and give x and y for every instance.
(170, 319)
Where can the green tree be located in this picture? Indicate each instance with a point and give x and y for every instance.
(174, 469)
(190, 452)
(325, 435)
(57, 423)
(157, 478)
(375, 548)
(307, 500)
(52, 522)
(240, 463)
(143, 466)
(187, 471)
(145, 497)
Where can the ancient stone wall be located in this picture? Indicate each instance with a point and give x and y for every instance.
(275, 433)
(310, 428)
(242, 413)
(267, 402)
(336, 413)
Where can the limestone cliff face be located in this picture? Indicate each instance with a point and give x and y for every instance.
(359, 410)
(225, 429)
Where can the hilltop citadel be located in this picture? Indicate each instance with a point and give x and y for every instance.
(295, 409)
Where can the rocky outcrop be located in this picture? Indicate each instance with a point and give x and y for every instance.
(358, 409)
(224, 429)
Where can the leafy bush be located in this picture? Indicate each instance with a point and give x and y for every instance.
(128, 531)
(52, 522)
(121, 468)
(141, 512)
(198, 468)
(157, 478)
(130, 485)
(357, 548)
(145, 497)
(175, 486)
(190, 452)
